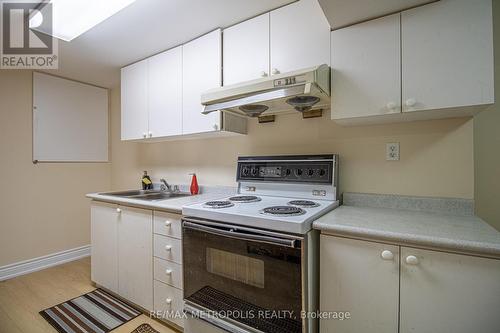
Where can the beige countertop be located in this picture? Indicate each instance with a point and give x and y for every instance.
(171, 205)
(413, 227)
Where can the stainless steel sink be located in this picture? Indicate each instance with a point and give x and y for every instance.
(150, 195)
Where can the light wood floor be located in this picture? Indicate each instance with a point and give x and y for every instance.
(23, 297)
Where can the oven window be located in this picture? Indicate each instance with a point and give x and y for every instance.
(236, 267)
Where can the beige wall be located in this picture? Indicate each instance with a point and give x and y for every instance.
(43, 208)
(487, 144)
(436, 156)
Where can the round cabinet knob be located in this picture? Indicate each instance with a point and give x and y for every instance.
(168, 301)
(168, 271)
(150, 134)
(168, 223)
(411, 260)
(391, 106)
(168, 247)
(216, 127)
(410, 102)
(118, 210)
(387, 255)
(144, 135)
(275, 71)
(263, 74)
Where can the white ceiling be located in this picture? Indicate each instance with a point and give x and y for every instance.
(341, 13)
(145, 28)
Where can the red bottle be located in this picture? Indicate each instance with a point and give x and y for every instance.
(194, 184)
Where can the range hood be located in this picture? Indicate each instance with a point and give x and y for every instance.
(300, 90)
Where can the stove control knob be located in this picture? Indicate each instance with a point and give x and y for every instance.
(254, 171)
(310, 172)
(321, 172)
(298, 172)
(245, 171)
(288, 172)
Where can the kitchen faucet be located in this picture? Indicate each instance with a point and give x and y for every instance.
(167, 185)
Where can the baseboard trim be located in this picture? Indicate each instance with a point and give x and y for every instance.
(37, 264)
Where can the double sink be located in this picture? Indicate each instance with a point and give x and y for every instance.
(149, 195)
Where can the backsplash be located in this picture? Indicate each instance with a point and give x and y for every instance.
(436, 156)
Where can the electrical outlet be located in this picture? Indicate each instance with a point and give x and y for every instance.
(392, 151)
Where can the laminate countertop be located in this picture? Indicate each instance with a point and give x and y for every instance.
(445, 224)
(173, 205)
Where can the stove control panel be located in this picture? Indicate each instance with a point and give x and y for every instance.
(317, 169)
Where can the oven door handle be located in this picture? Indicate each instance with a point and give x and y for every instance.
(234, 233)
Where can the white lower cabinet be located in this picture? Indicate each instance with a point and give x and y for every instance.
(445, 292)
(121, 251)
(167, 261)
(104, 249)
(137, 254)
(168, 272)
(169, 303)
(425, 291)
(135, 269)
(168, 248)
(356, 278)
(167, 224)
(196, 325)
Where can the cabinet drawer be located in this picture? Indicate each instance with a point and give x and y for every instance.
(168, 248)
(167, 224)
(169, 301)
(168, 272)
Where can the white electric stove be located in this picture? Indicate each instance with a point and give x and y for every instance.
(287, 214)
(279, 193)
(255, 252)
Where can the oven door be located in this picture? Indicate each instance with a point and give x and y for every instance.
(243, 276)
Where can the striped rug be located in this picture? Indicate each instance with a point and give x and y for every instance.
(94, 312)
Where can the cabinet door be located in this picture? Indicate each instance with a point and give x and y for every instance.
(201, 71)
(246, 50)
(104, 244)
(300, 37)
(447, 55)
(135, 253)
(443, 292)
(366, 72)
(354, 277)
(165, 93)
(134, 101)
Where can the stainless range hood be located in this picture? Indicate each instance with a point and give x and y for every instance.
(300, 90)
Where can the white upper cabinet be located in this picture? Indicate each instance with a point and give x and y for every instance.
(444, 292)
(447, 50)
(366, 75)
(201, 71)
(165, 93)
(445, 67)
(300, 37)
(134, 101)
(246, 50)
